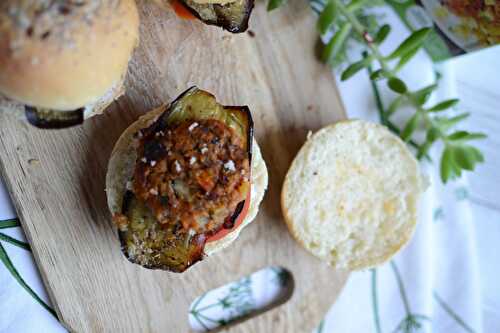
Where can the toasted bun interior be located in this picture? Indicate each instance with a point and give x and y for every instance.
(65, 55)
(122, 163)
(350, 196)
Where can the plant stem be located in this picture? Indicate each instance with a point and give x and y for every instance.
(360, 29)
(362, 32)
(384, 120)
(207, 307)
(4, 257)
(401, 287)
(376, 315)
(452, 314)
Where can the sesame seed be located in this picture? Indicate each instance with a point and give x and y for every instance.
(204, 150)
(144, 160)
(153, 191)
(178, 167)
(153, 163)
(192, 126)
(192, 160)
(229, 165)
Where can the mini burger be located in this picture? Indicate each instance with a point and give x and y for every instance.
(64, 61)
(184, 180)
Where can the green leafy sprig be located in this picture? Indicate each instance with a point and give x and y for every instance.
(458, 154)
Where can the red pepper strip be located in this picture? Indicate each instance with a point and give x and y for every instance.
(223, 232)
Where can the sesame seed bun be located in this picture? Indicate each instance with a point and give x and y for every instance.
(63, 55)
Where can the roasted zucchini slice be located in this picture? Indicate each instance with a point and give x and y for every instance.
(233, 16)
(53, 119)
(168, 244)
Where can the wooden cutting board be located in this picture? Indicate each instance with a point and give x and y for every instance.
(56, 178)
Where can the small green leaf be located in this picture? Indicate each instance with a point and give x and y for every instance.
(447, 123)
(273, 4)
(464, 157)
(446, 165)
(355, 5)
(476, 136)
(395, 104)
(405, 58)
(327, 17)
(335, 44)
(397, 85)
(414, 41)
(410, 127)
(444, 105)
(421, 96)
(457, 171)
(353, 69)
(382, 34)
(477, 154)
(432, 134)
(11, 223)
(465, 136)
(459, 135)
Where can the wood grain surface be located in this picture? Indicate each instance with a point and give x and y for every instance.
(56, 178)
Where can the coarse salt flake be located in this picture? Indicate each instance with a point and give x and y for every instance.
(229, 165)
(177, 166)
(192, 126)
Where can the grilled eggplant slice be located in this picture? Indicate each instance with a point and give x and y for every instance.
(53, 119)
(154, 246)
(233, 16)
(196, 104)
(170, 246)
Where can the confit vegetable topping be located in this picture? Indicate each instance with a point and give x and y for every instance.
(193, 175)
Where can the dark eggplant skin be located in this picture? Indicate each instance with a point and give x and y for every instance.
(163, 248)
(53, 119)
(232, 17)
